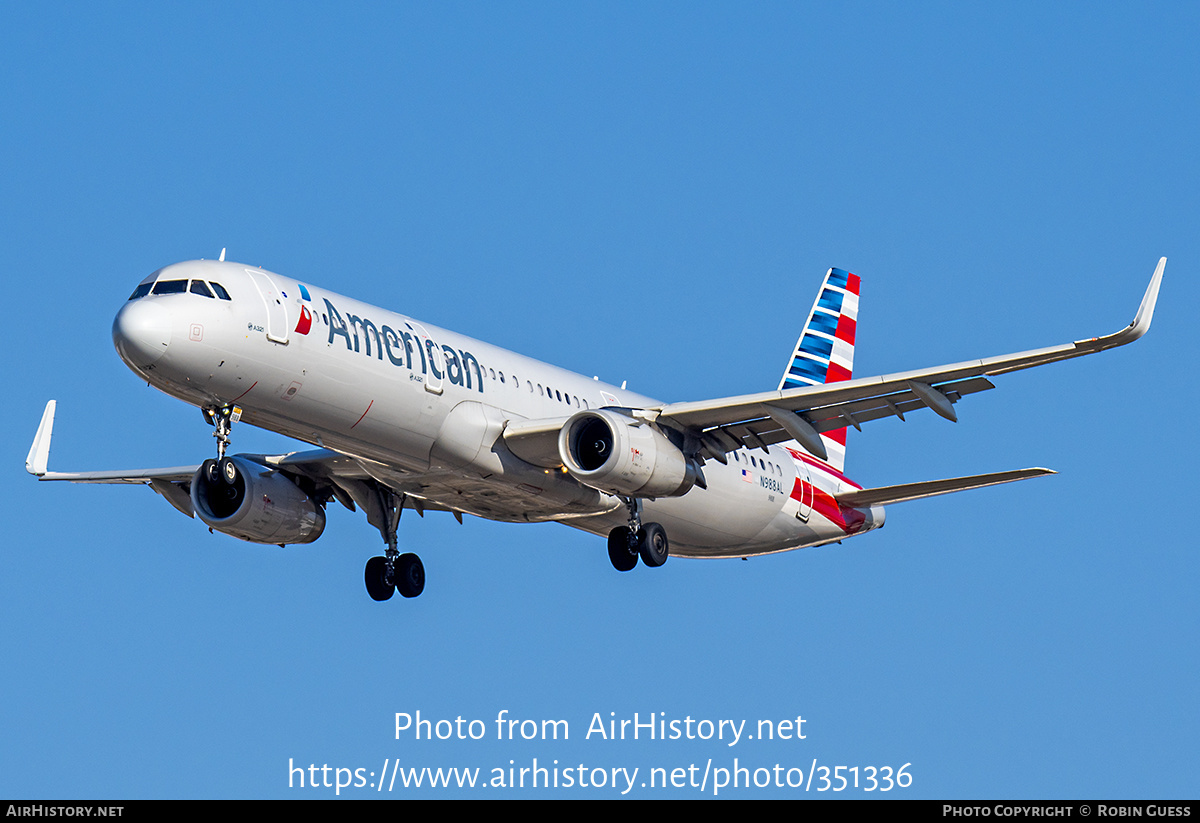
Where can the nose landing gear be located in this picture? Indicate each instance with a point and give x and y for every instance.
(222, 419)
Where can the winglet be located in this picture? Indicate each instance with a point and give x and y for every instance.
(1145, 312)
(1141, 321)
(39, 452)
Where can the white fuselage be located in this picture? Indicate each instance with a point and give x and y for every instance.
(423, 409)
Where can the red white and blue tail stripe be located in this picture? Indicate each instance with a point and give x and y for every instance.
(825, 351)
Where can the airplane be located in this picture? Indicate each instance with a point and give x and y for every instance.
(407, 415)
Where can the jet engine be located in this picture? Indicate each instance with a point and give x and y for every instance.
(620, 455)
(251, 502)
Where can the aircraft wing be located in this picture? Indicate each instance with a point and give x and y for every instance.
(348, 479)
(801, 414)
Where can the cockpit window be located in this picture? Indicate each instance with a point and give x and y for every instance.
(199, 287)
(170, 287)
(220, 290)
(141, 291)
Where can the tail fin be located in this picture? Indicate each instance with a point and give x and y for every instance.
(825, 351)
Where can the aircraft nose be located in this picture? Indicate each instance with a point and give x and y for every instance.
(142, 332)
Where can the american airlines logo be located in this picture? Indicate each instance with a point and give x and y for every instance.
(404, 348)
(304, 324)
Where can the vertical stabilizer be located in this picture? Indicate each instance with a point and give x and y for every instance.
(825, 351)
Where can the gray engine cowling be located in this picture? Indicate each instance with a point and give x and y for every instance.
(254, 503)
(620, 455)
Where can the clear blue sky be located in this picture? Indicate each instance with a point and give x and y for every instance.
(648, 194)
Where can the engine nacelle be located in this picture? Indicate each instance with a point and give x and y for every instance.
(620, 455)
(246, 500)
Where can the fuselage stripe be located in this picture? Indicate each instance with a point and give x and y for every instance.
(364, 414)
(246, 392)
(822, 466)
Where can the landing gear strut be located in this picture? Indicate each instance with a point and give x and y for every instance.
(223, 419)
(395, 572)
(627, 543)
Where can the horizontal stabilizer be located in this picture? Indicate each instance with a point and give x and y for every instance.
(931, 488)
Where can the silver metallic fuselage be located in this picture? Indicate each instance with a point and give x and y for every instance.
(422, 409)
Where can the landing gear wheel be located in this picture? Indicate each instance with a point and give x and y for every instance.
(620, 552)
(652, 544)
(376, 578)
(410, 575)
(212, 472)
(229, 470)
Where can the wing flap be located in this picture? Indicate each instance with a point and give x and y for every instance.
(766, 431)
(176, 494)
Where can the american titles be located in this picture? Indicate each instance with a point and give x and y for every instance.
(409, 348)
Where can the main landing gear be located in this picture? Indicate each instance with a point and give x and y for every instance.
(384, 576)
(395, 572)
(627, 543)
(406, 575)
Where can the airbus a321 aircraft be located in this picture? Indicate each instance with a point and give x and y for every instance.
(407, 415)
